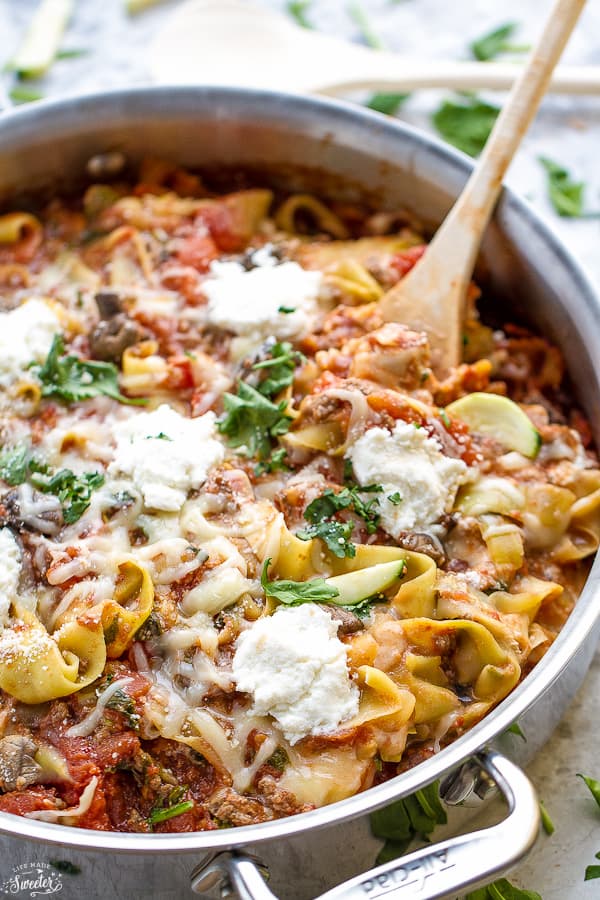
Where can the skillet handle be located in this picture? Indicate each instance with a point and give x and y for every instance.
(440, 870)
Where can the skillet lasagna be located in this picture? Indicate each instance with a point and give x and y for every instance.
(254, 556)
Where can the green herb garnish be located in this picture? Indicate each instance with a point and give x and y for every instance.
(592, 872)
(164, 813)
(502, 890)
(123, 703)
(293, 593)
(278, 369)
(496, 42)
(74, 53)
(466, 123)
(395, 498)
(71, 379)
(334, 534)
(21, 94)
(547, 823)
(515, 728)
(565, 194)
(399, 823)
(358, 15)
(297, 9)
(593, 785)
(386, 103)
(14, 464)
(64, 866)
(276, 463)
(252, 421)
(73, 491)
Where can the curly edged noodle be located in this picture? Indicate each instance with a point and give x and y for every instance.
(36, 666)
(436, 653)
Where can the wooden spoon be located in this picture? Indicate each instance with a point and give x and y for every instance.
(233, 42)
(431, 297)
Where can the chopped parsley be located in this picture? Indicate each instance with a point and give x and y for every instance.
(565, 194)
(334, 534)
(14, 464)
(399, 823)
(386, 103)
(297, 9)
(293, 593)
(495, 42)
(466, 123)
(286, 310)
(174, 806)
(253, 422)
(278, 760)
(71, 379)
(278, 369)
(73, 491)
(123, 703)
(276, 463)
(395, 498)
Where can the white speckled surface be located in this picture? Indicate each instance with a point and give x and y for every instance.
(567, 130)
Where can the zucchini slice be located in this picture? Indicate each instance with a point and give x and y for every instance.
(499, 418)
(42, 39)
(356, 586)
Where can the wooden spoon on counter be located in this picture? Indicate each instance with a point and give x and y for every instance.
(431, 297)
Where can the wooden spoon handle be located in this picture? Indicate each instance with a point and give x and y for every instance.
(432, 295)
(463, 228)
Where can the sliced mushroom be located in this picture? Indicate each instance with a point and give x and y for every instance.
(112, 336)
(349, 621)
(108, 303)
(421, 542)
(18, 768)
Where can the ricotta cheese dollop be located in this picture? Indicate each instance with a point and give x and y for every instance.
(412, 470)
(10, 571)
(166, 454)
(273, 299)
(294, 666)
(26, 335)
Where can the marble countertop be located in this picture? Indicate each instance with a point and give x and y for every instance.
(567, 130)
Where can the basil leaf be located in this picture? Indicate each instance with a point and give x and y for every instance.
(293, 593)
(71, 379)
(252, 421)
(515, 728)
(592, 872)
(297, 9)
(495, 42)
(466, 124)
(565, 194)
(502, 890)
(593, 785)
(402, 821)
(386, 103)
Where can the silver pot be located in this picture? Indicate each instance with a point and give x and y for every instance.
(340, 149)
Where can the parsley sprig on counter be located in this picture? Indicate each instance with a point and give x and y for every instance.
(252, 419)
(466, 123)
(70, 379)
(566, 195)
(495, 42)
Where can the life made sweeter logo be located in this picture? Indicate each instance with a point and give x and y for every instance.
(32, 880)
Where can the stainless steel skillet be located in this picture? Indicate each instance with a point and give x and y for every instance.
(342, 150)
